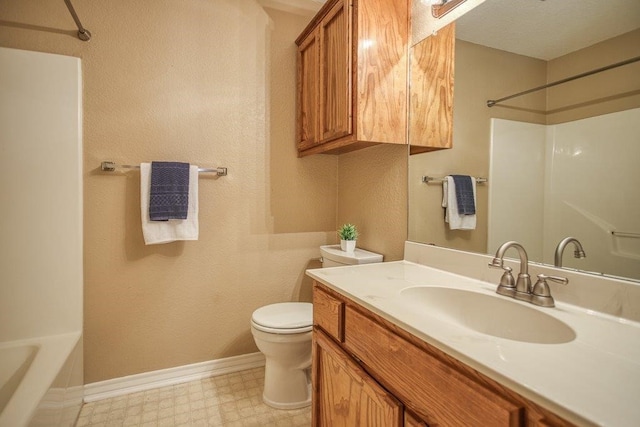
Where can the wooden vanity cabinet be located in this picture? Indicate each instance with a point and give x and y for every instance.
(347, 395)
(367, 369)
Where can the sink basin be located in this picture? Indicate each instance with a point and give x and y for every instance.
(489, 314)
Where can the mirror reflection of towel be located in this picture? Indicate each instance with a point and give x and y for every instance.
(465, 194)
(452, 216)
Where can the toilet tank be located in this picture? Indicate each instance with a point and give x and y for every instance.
(333, 256)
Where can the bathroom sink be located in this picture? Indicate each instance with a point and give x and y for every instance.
(489, 314)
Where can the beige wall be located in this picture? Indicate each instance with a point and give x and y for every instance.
(212, 83)
(372, 193)
(607, 92)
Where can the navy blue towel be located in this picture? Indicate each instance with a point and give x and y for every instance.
(464, 194)
(169, 192)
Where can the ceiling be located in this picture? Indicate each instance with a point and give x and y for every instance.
(547, 29)
(544, 29)
(300, 7)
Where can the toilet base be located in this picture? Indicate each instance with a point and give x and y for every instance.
(286, 388)
(285, 406)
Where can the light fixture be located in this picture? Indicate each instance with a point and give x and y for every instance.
(439, 8)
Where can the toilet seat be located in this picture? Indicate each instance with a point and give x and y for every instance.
(284, 318)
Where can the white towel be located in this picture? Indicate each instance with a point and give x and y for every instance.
(174, 229)
(450, 203)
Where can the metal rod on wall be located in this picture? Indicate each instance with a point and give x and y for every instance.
(492, 102)
(111, 167)
(626, 234)
(83, 34)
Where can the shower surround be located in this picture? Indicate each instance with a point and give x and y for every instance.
(41, 272)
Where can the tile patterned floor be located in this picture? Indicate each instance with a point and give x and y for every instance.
(227, 400)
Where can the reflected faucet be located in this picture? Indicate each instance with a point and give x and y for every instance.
(578, 253)
(522, 290)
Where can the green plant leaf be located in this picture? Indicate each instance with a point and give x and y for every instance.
(348, 232)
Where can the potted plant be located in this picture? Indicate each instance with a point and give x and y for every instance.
(348, 236)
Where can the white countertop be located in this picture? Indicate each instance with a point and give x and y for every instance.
(592, 380)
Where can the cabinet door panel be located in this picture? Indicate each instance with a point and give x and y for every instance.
(308, 84)
(380, 112)
(345, 394)
(438, 393)
(335, 73)
(431, 103)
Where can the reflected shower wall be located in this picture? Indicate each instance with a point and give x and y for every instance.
(574, 179)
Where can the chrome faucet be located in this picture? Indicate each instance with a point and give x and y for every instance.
(522, 288)
(578, 253)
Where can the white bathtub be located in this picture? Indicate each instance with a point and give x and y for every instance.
(39, 381)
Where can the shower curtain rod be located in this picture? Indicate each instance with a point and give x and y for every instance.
(83, 34)
(492, 102)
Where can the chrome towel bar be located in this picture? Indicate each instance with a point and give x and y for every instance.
(626, 234)
(111, 167)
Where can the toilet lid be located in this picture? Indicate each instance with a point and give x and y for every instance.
(284, 317)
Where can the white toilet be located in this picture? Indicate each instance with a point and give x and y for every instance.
(282, 333)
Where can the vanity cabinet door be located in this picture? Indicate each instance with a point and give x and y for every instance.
(344, 394)
(437, 392)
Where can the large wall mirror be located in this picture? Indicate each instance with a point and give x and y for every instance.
(562, 161)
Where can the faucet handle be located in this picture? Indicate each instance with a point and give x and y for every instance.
(507, 278)
(557, 279)
(507, 286)
(541, 294)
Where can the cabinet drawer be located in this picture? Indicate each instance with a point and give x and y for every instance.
(328, 313)
(434, 390)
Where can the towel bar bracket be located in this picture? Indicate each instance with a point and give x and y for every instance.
(111, 167)
(107, 166)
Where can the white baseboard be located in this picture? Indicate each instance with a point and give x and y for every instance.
(164, 377)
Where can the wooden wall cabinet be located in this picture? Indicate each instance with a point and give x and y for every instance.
(367, 371)
(431, 96)
(353, 81)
